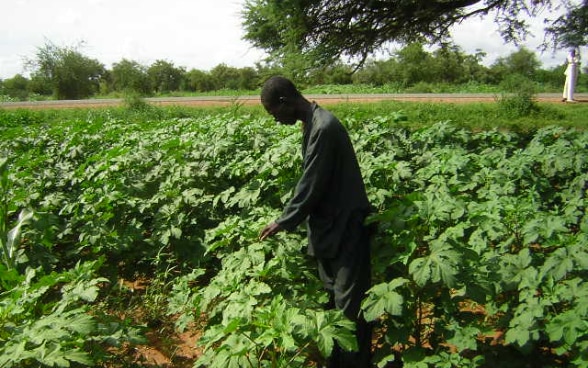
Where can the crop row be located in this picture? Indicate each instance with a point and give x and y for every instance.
(481, 250)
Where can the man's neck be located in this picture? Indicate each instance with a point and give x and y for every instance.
(305, 111)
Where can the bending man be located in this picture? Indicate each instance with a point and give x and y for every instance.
(331, 197)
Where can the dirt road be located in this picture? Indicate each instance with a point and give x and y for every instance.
(248, 100)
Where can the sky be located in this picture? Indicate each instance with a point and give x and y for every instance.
(198, 34)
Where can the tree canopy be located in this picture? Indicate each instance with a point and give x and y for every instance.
(70, 74)
(325, 30)
(571, 29)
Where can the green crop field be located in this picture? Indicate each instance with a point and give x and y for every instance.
(480, 258)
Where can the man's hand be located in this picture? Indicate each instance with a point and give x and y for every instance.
(269, 230)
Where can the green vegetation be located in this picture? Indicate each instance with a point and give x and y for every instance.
(314, 33)
(67, 73)
(474, 116)
(480, 251)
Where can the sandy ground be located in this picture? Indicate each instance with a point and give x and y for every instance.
(251, 100)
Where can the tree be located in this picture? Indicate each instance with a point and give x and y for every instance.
(40, 85)
(379, 73)
(248, 78)
(164, 76)
(412, 65)
(199, 80)
(474, 70)
(415, 65)
(334, 74)
(70, 74)
(521, 62)
(15, 87)
(128, 75)
(225, 77)
(570, 29)
(449, 65)
(326, 30)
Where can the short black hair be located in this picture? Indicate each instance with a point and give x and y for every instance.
(276, 87)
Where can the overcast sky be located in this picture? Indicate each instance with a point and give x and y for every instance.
(189, 33)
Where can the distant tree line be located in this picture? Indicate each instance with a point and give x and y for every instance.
(66, 73)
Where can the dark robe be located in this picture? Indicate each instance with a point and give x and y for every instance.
(331, 196)
(331, 188)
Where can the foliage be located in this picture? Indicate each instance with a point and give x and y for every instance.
(518, 97)
(130, 76)
(164, 76)
(135, 102)
(229, 78)
(408, 69)
(519, 63)
(16, 87)
(328, 30)
(480, 250)
(70, 74)
(473, 240)
(571, 29)
(45, 319)
(198, 80)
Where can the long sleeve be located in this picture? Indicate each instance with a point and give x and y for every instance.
(318, 165)
(330, 189)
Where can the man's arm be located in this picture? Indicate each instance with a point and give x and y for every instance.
(269, 230)
(318, 163)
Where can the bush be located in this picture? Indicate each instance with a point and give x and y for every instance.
(518, 96)
(134, 102)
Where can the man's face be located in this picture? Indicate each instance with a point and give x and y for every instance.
(282, 112)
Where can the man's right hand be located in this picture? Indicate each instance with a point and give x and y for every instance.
(269, 230)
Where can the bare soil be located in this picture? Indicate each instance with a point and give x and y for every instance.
(254, 100)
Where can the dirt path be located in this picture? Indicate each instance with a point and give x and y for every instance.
(251, 100)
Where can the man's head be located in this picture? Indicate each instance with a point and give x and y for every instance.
(280, 98)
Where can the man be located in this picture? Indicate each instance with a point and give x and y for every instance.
(331, 197)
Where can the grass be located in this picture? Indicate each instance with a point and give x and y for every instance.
(421, 87)
(478, 116)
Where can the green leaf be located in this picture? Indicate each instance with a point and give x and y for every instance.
(525, 327)
(567, 327)
(52, 356)
(346, 340)
(464, 338)
(544, 226)
(383, 298)
(516, 270)
(82, 323)
(325, 337)
(331, 326)
(13, 237)
(558, 264)
(442, 264)
(78, 356)
(84, 290)
(233, 325)
(13, 352)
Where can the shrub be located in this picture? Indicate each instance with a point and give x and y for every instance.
(518, 96)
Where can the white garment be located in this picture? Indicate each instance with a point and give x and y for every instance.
(571, 74)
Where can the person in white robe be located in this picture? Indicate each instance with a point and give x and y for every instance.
(571, 74)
